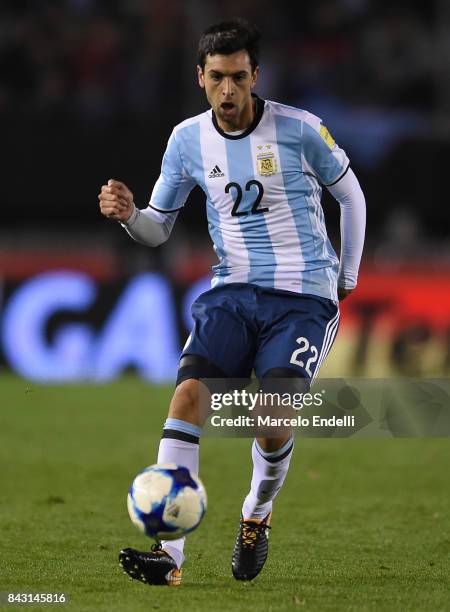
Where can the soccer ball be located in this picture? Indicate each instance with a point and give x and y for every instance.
(166, 501)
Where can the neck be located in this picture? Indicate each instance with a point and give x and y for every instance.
(242, 122)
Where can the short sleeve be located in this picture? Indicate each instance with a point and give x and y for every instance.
(321, 153)
(174, 184)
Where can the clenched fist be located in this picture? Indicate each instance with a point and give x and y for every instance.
(116, 201)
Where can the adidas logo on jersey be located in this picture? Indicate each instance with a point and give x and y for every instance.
(216, 172)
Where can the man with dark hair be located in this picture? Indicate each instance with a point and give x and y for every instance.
(276, 289)
(227, 38)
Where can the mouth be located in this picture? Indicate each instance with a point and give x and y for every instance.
(227, 107)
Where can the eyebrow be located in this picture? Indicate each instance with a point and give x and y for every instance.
(238, 73)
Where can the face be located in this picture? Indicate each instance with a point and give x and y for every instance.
(228, 81)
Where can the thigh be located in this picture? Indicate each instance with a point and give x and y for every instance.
(222, 333)
(300, 336)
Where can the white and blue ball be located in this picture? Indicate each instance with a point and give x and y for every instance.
(166, 501)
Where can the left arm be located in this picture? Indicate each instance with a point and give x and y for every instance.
(324, 158)
(348, 193)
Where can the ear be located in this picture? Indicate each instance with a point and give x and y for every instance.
(201, 77)
(255, 76)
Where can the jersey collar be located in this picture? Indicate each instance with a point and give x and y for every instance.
(259, 113)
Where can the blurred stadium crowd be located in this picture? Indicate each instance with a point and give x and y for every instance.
(102, 59)
(375, 71)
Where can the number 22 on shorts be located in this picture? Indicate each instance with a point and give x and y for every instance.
(303, 348)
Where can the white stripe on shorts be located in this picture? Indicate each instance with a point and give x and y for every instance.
(328, 339)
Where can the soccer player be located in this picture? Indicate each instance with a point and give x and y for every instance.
(262, 165)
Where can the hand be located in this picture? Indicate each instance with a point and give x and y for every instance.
(116, 201)
(343, 293)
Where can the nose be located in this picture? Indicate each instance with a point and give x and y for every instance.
(228, 89)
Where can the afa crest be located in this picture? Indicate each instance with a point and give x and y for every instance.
(267, 164)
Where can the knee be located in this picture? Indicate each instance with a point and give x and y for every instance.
(284, 380)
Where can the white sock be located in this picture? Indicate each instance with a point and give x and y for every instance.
(268, 477)
(181, 452)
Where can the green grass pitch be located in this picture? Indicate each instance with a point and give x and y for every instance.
(360, 524)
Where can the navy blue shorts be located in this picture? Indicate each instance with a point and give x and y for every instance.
(240, 327)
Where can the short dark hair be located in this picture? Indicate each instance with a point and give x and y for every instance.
(227, 38)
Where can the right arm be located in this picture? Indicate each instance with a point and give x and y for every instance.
(151, 226)
(148, 226)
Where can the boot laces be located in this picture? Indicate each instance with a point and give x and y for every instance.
(251, 531)
(157, 549)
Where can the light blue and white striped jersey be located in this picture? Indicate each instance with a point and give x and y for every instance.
(263, 190)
